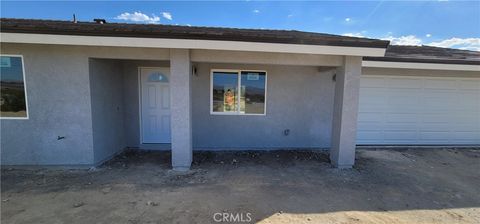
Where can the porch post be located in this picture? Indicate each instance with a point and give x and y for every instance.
(345, 109)
(180, 104)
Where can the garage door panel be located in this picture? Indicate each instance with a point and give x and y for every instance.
(400, 135)
(401, 93)
(369, 126)
(470, 136)
(470, 100)
(440, 84)
(405, 83)
(440, 117)
(369, 135)
(373, 92)
(419, 110)
(468, 85)
(437, 101)
(434, 135)
(398, 127)
(401, 118)
(432, 107)
(373, 82)
(433, 126)
(368, 117)
(399, 102)
(435, 142)
(464, 118)
(401, 109)
(468, 127)
(374, 102)
(373, 107)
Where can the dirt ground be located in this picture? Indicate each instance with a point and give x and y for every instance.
(386, 186)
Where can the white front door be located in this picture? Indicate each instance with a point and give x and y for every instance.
(155, 105)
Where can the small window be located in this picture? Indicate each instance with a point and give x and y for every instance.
(238, 92)
(157, 77)
(252, 98)
(13, 97)
(224, 92)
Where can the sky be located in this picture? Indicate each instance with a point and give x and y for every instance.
(443, 23)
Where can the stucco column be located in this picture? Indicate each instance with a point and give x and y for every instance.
(180, 105)
(345, 110)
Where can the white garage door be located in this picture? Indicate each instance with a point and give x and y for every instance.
(419, 110)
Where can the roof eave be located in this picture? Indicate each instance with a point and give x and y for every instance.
(424, 60)
(83, 40)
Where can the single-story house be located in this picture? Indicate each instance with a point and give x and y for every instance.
(77, 93)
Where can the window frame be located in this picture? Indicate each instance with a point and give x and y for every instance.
(24, 89)
(239, 83)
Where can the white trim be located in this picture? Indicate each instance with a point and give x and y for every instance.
(419, 77)
(239, 92)
(24, 89)
(416, 65)
(139, 77)
(238, 71)
(188, 44)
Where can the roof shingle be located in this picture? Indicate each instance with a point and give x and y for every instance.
(428, 54)
(183, 32)
(394, 53)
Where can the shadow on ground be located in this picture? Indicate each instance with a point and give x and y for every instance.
(386, 186)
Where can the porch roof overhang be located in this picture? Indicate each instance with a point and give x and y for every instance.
(184, 37)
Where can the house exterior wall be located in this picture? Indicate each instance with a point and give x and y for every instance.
(309, 124)
(60, 104)
(76, 93)
(90, 96)
(299, 98)
(106, 91)
(57, 84)
(72, 88)
(132, 97)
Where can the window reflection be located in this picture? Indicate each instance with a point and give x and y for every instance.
(224, 91)
(12, 94)
(157, 77)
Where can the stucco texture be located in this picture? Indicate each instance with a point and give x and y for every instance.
(70, 99)
(94, 103)
(299, 98)
(58, 93)
(309, 124)
(106, 90)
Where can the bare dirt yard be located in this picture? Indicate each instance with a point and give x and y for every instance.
(386, 186)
